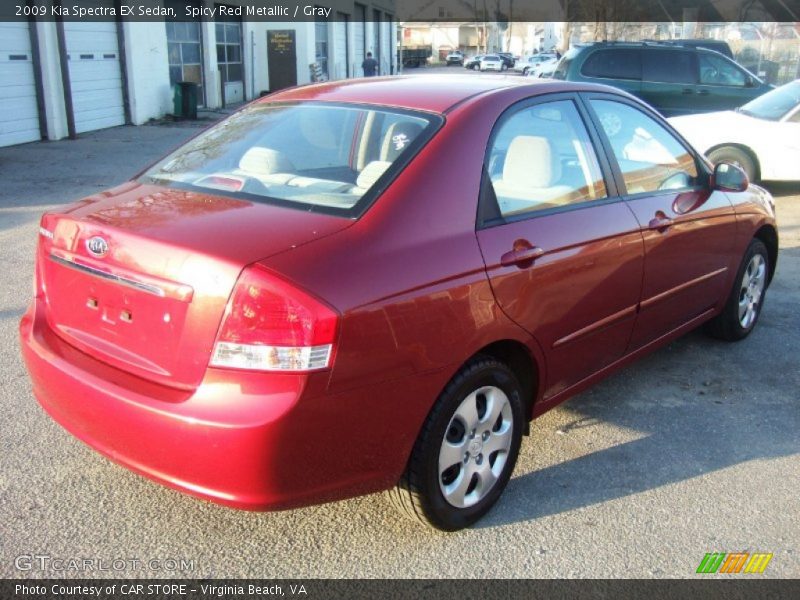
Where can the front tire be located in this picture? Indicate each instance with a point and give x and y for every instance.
(744, 304)
(735, 156)
(467, 449)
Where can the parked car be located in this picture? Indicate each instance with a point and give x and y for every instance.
(473, 62)
(544, 69)
(492, 62)
(529, 62)
(762, 137)
(508, 59)
(296, 307)
(675, 80)
(455, 58)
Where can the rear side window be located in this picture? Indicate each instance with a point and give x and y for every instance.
(541, 158)
(614, 63)
(717, 70)
(668, 66)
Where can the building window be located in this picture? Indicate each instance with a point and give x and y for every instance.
(229, 49)
(185, 54)
(321, 45)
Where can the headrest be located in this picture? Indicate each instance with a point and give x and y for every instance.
(264, 161)
(530, 163)
(371, 173)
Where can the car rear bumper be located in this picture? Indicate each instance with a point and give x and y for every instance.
(247, 440)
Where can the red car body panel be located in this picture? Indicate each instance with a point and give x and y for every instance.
(418, 292)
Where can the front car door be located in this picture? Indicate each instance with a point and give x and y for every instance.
(563, 253)
(689, 230)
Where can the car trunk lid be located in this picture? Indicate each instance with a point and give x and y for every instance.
(139, 276)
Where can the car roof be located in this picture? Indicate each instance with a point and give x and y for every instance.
(654, 44)
(431, 93)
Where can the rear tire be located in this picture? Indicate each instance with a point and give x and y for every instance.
(467, 449)
(735, 156)
(743, 307)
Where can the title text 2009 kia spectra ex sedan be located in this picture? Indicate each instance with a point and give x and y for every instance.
(358, 286)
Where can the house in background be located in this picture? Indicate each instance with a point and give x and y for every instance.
(118, 72)
(443, 37)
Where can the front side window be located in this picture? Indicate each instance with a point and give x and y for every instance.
(717, 70)
(649, 156)
(617, 63)
(540, 158)
(307, 154)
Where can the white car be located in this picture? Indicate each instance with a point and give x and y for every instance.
(525, 65)
(454, 58)
(492, 62)
(544, 68)
(762, 137)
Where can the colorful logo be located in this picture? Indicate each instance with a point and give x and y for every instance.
(737, 562)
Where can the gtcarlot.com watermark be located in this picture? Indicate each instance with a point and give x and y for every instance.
(56, 564)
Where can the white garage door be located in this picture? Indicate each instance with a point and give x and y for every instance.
(19, 119)
(95, 76)
(358, 48)
(339, 50)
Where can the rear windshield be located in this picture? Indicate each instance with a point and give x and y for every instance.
(314, 156)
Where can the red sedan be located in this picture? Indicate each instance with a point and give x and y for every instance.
(363, 285)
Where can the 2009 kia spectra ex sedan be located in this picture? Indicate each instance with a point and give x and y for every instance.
(365, 285)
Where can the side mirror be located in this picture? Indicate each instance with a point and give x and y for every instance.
(749, 81)
(730, 178)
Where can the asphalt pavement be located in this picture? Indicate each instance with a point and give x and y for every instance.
(691, 450)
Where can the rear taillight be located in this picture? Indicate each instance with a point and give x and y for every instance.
(271, 325)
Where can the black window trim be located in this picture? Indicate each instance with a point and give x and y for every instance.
(489, 212)
(704, 170)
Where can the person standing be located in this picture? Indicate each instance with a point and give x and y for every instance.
(370, 66)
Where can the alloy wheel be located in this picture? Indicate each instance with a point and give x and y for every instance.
(475, 447)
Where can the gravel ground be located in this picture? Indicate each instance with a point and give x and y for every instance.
(693, 449)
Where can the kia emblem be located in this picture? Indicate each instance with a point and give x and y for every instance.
(97, 246)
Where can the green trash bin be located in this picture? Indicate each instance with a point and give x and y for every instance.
(185, 100)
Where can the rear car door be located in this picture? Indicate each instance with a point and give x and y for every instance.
(669, 79)
(688, 229)
(563, 253)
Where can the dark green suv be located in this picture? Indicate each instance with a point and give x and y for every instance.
(676, 80)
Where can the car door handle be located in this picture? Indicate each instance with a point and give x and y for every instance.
(688, 91)
(521, 255)
(660, 222)
(703, 92)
